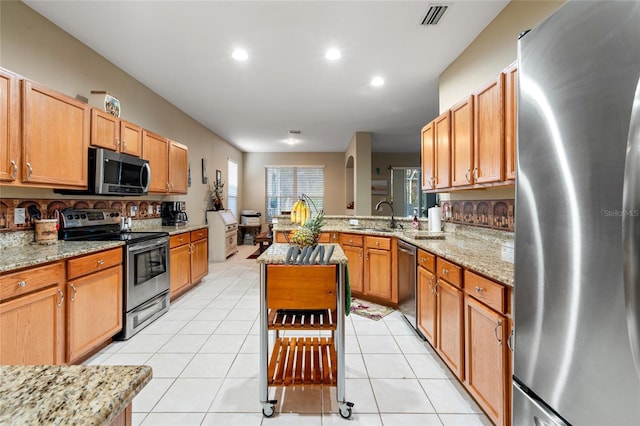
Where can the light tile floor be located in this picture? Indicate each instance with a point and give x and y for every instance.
(204, 355)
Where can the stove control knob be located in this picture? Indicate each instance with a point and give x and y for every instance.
(77, 216)
(84, 216)
(69, 216)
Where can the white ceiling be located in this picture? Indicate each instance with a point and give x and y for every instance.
(182, 51)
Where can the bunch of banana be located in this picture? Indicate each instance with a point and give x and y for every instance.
(300, 212)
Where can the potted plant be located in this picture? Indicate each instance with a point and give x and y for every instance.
(216, 194)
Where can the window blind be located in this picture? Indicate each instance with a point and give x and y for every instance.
(285, 185)
(232, 188)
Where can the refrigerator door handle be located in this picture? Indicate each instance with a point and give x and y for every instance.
(631, 230)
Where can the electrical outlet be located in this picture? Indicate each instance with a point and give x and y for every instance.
(353, 221)
(19, 216)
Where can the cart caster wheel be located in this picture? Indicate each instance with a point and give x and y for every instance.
(268, 411)
(345, 412)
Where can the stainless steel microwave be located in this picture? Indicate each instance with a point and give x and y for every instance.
(118, 174)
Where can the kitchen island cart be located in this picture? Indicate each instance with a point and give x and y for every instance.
(302, 298)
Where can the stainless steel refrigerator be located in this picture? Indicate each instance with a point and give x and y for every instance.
(577, 244)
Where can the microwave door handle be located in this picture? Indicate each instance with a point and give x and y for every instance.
(631, 230)
(146, 186)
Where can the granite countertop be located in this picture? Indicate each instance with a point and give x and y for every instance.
(173, 230)
(277, 253)
(68, 395)
(17, 257)
(491, 257)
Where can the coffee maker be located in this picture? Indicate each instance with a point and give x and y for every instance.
(174, 213)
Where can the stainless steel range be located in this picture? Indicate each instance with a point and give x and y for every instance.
(145, 261)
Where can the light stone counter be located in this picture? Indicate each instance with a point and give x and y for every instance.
(68, 395)
(277, 253)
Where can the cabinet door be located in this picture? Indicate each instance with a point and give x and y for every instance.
(486, 358)
(94, 311)
(180, 268)
(178, 165)
(488, 138)
(450, 345)
(54, 127)
(510, 120)
(355, 266)
(442, 151)
(427, 305)
(462, 143)
(9, 127)
(155, 149)
(199, 260)
(428, 157)
(378, 273)
(130, 138)
(105, 130)
(33, 328)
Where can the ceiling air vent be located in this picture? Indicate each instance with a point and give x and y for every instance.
(434, 14)
(295, 132)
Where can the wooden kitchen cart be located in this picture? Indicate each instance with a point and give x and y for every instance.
(302, 298)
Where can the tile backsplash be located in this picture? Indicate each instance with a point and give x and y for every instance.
(496, 214)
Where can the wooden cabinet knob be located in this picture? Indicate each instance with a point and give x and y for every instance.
(22, 284)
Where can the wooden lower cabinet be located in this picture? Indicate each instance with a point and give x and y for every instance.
(352, 246)
(486, 333)
(450, 330)
(189, 260)
(199, 255)
(427, 305)
(379, 280)
(94, 314)
(32, 325)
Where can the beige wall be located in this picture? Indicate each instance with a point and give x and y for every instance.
(360, 149)
(35, 48)
(493, 49)
(334, 176)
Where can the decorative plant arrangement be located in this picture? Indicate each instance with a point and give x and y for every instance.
(216, 194)
(308, 232)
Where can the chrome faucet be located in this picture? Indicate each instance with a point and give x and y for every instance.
(393, 221)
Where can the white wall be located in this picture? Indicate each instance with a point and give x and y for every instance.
(32, 46)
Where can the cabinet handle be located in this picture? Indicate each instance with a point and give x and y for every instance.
(168, 189)
(510, 341)
(22, 283)
(479, 290)
(124, 145)
(431, 286)
(377, 243)
(474, 173)
(445, 271)
(117, 143)
(73, 296)
(30, 171)
(14, 166)
(435, 288)
(495, 331)
(100, 262)
(61, 294)
(360, 253)
(433, 182)
(351, 241)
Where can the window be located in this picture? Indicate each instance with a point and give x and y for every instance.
(285, 185)
(232, 188)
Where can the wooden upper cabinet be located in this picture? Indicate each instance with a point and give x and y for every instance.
(488, 140)
(155, 149)
(510, 119)
(130, 138)
(442, 163)
(428, 157)
(55, 138)
(462, 143)
(178, 165)
(9, 127)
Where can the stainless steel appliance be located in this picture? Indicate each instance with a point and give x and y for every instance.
(407, 284)
(223, 234)
(577, 240)
(173, 213)
(145, 263)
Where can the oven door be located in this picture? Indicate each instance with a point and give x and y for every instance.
(147, 269)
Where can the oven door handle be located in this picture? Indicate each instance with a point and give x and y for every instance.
(137, 247)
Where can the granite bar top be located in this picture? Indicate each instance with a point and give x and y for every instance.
(17, 257)
(276, 254)
(68, 395)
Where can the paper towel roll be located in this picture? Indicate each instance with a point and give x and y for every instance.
(434, 219)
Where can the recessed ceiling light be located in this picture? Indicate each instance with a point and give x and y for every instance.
(291, 141)
(377, 81)
(240, 55)
(333, 54)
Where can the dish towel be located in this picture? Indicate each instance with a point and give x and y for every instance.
(347, 292)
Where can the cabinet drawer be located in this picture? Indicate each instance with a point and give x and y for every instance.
(199, 234)
(489, 292)
(383, 243)
(93, 263)
(427, 260)
(179, 240)
(352, 240)
(449, 271)
(28, 280)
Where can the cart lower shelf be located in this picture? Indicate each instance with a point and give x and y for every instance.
(303, 361)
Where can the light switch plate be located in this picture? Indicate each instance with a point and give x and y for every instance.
(353, 221)
(19, 216)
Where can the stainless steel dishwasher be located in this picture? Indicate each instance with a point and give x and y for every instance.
(407, 284)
